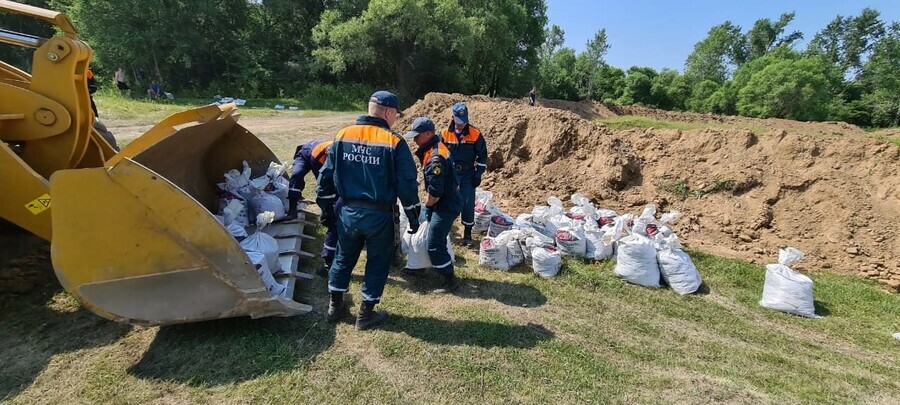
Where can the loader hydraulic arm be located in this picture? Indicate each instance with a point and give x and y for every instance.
(45, 119)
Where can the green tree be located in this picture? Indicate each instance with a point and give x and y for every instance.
(767, 35)
(881, 76)
(609, 83)
(638, 86)
(670, 90)
(848, 41)
(794, 89)
(17, 56)
(558, 76)
(592, 61)
(717, 55)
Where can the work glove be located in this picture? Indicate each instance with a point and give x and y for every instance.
(292, 209)
(476, 181)
(428, 212)
(413, 216)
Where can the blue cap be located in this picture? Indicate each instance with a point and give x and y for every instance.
(386, 99)
(460, 113)
(420, 125)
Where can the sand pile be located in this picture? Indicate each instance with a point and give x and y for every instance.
(747, 186)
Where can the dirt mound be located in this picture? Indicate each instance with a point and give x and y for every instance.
(747, 186)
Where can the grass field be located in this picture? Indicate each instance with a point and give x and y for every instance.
(505, 338)
(584, 337)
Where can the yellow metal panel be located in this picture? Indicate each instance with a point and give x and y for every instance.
(19, 186)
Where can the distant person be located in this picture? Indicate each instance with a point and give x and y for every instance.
(532, 96)
(124, 90)
(155, 90)
(470, 157)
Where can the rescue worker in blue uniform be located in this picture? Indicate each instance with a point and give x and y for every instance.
(470, 157)
(368, 167)
(442, 200)
(310, 157)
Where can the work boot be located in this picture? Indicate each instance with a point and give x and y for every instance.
(368, 317)
(467, 238)
(450, 285)
(413, 272)
(335, 305)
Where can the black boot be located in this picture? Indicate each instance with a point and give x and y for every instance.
(292, 210)
(450, 285)
(368, 317)
(335, 305)
(467, 238)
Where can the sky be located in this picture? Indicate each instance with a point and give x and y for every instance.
(660, 34)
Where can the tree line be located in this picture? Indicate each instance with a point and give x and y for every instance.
(279, 48)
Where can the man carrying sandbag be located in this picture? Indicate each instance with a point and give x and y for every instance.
(469, 151)
(310, 157)
(368, 167)
(442, 200)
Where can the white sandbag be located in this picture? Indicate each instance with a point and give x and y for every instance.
(636, 261)
(484, 210)
(583, 208)
(596, 248)
(571, 241)
(260, 261)
(262, 242)
(666, 221)
(237, 208)
(530, 221)
(786, 290)
(493, 253)
(606, 217)
(500, 223)
(677, 268)
(265, 202)
(236, 180)
(231, 225)
(514, 253)
(546, 261)
(417, 248)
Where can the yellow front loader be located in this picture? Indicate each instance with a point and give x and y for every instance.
(132, 234)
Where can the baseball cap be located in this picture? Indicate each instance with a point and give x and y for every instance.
(460, 113)
(421, 124)
(387, 99)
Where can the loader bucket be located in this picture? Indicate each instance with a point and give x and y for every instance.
(136, 241)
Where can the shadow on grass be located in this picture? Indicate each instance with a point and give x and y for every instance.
(468, 333)
(513, 294)
(226, 351)
(31, 331)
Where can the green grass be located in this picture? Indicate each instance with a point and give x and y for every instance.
(114, 107)
(505, 338)
(627, 122)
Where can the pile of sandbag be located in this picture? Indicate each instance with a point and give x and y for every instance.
(262, 249)
(265, 198)
(646, 250)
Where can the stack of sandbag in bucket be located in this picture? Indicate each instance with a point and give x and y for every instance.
(227, 219)
(786, 290)
(415, 245)
(484, 210)
(235, 191)
(270, 192)
(262, 249)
